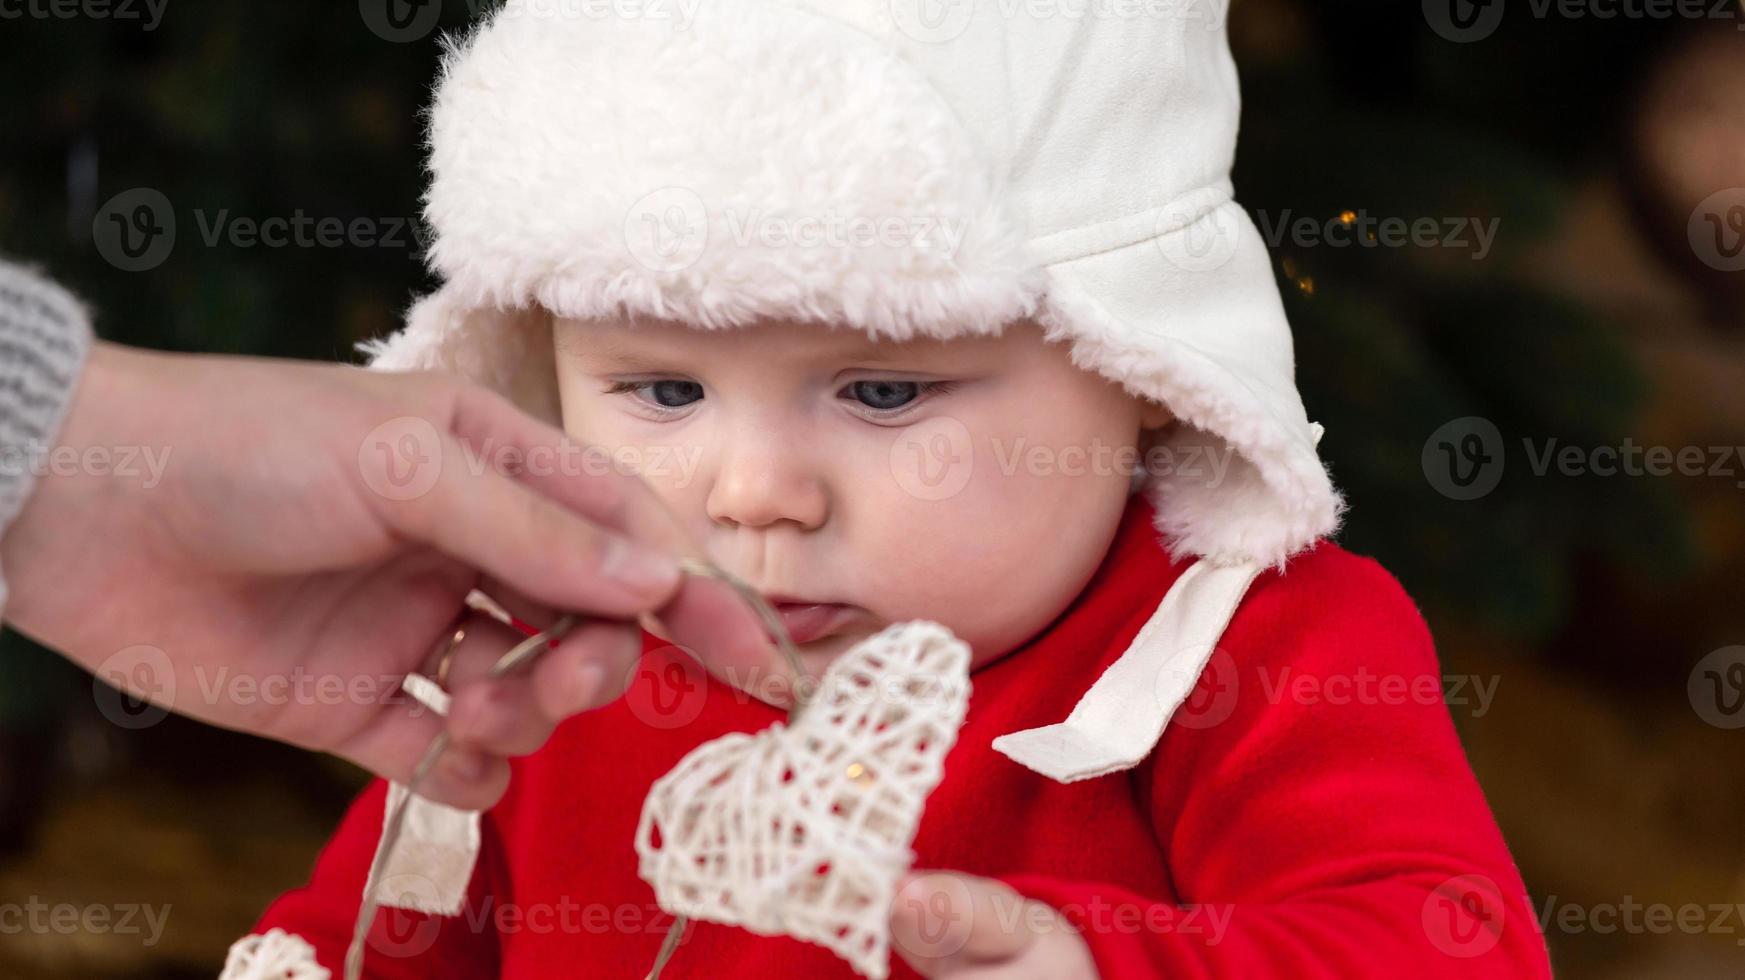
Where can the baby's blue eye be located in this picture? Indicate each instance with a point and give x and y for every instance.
(674, 394)
(884, 395)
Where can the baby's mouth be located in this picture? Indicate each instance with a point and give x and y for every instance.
(807, 622)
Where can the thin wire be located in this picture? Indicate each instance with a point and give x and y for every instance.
(772, 621)
(507, 664)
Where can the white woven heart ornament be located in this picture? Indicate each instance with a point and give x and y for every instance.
(804, 830)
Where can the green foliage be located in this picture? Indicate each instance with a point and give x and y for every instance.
(1393, 343)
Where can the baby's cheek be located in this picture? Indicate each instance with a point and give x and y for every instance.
(951, 562)
(998, 558)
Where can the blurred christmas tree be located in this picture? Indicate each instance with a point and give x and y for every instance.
(237, 114)
(1359, 111)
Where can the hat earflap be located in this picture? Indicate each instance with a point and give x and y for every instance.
(507, 350)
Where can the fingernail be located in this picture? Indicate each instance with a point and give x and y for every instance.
(639, 569)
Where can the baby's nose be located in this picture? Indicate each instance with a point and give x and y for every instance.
(762, 484)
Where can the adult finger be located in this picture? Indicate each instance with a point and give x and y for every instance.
(394, 741)
(493, 715)
(516, 715)
(589, 668)
(710, 618)
(705, 615)
(487, 519)
(545, 458)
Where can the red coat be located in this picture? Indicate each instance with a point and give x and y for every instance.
(1308, 813)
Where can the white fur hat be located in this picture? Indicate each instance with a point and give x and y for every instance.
(1066, 161)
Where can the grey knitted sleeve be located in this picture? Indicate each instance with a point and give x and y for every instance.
(44, 337)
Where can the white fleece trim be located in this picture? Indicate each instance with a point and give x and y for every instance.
(1275, 498)
(546, 201)
(508, 351)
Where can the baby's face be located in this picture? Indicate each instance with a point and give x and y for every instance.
(975, 482)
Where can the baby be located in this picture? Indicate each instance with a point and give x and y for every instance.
(943, 314)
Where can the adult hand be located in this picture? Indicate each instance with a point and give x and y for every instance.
(232, 536)
(956, 925)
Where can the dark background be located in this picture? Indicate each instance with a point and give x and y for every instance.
(1606, 609)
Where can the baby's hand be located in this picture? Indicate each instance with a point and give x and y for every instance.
(955, 925)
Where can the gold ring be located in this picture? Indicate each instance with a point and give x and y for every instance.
(446, 659)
